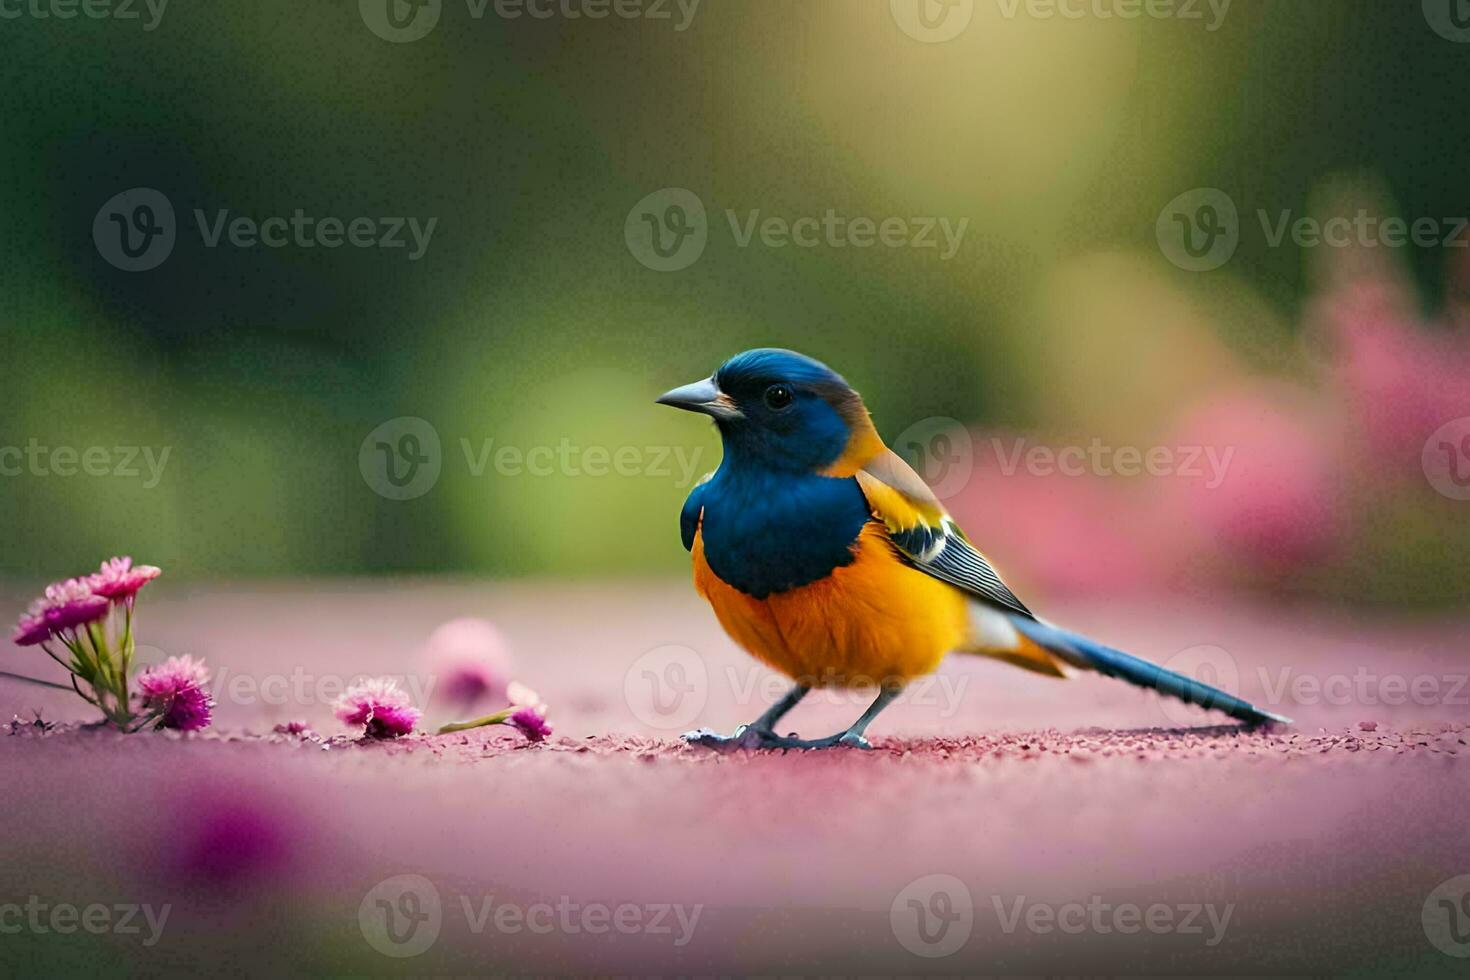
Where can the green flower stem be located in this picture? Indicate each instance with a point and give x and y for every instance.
(464, 726)
(34, 680)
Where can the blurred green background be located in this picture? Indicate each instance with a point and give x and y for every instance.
(529, 321)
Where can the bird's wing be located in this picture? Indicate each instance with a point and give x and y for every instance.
(926, 535)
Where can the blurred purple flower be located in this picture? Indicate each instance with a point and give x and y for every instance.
(226, 838)
(379, 707)
(119, 579)
(1398, 378)
(1278, 504)
(175, 689)
(530, 722)
(471, 661)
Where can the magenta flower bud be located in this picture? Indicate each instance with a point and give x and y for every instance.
(530, 723)
(175, 689)
(379, 707)
(119, 579)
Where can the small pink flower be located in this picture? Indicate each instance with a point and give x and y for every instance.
(119, 579)
(69, 604)
(175, 689)
(378, 705)
(530, 722)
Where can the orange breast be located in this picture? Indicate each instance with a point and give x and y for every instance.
(875, 620)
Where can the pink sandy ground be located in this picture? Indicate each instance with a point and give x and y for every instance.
(1324, 840)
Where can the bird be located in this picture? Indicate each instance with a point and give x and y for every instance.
(825, 556)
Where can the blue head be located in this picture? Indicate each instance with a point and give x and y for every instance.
(777, 409)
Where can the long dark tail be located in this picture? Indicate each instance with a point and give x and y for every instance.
(1086, 654)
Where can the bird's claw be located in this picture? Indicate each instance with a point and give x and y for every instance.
(748, 737)
(744, 737)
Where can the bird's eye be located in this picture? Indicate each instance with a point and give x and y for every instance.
(778, 397)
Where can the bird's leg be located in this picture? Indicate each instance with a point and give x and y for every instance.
(853, 736)
(760, 733)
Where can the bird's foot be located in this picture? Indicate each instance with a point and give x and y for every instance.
(750, 737)
(744, 737)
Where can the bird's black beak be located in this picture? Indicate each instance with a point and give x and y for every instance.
(704, 397)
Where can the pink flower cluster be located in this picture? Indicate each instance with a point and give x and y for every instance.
(74, 602)
(77, 614)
